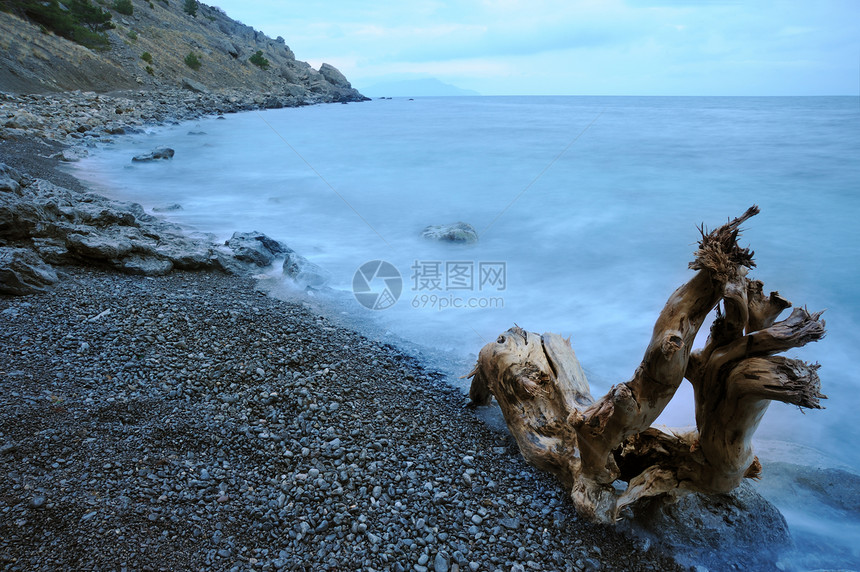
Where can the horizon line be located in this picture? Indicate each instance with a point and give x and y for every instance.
(612, 95)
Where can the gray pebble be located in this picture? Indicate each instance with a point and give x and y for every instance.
(37, 501)
(442, 562)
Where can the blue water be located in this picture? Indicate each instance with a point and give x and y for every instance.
(590, 204)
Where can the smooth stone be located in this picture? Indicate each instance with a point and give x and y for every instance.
(442, 562)
(146, 266)
(38, 501)
(458, 232)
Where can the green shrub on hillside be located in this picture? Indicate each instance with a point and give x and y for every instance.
(149, 70)
(192, 61)
(92, 40)
(259, 61)
(191, 8)
(147, 57)
(123, 7)
(132, 35)
(93, 17)
(76, 20)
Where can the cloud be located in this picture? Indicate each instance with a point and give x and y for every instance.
(574, 46)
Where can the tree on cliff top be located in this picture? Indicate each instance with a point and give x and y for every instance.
(191, 8)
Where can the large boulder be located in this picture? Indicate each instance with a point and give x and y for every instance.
(20, 218)
(185, 253)
(102, 214)
(99, 246)
(256, 248)
(23, 119)
(735, 531)
(54, 251)
(10, 180)
(295, 91)
(73, 154)
(333, 76)
(23, 272)
(459, 232)
(303, 272)
(194, 86)
(155, 155)
(288, 73)
(229, 48)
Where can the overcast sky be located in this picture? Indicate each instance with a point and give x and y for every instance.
(597, 47)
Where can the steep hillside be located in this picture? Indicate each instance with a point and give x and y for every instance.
(34, 60)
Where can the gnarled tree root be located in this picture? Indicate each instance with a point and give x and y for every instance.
(589, 445)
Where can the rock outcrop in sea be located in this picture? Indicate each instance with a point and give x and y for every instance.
(155, 155)
(460, 232)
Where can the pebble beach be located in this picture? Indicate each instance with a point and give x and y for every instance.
(190, 422)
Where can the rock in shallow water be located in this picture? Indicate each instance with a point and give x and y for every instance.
(256, 248)
(155, 155)
(304, 272)
(460, 232)
(73, 154)
(739, 530)
(167, 208)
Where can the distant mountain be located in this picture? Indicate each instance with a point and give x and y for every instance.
(415, 88)
(149, 46)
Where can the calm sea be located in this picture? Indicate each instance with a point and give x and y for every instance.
(587, 210)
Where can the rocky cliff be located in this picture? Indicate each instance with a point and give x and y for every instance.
(148, 50)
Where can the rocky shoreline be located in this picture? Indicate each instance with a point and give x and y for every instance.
(86, 118)
(43, 224)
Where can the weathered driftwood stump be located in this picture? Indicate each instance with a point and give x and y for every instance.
(593, 445)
